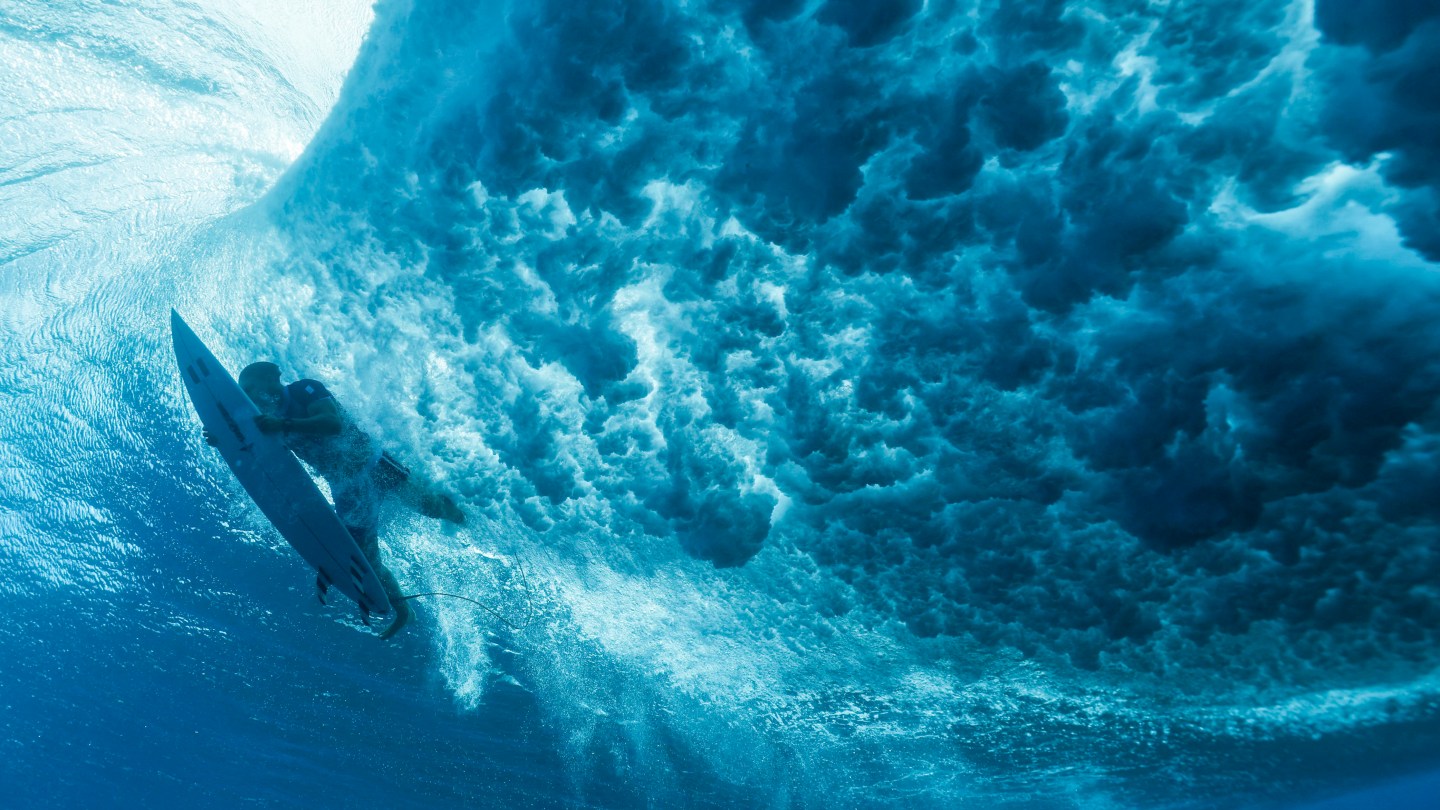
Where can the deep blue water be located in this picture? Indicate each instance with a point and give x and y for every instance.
(907, 404)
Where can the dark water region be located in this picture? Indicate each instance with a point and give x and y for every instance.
(1415, 792)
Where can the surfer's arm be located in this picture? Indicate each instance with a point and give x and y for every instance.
(322, 419)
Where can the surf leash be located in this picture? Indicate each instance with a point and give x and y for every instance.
(476, 603)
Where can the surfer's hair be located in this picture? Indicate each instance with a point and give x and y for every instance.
(259, 371)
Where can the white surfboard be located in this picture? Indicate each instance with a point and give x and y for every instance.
(273, 476)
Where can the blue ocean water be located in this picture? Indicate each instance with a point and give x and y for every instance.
(907, 404)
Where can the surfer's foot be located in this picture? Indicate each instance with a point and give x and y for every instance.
(440, 506)
(402, 615)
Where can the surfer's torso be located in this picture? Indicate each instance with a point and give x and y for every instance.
(344, 454)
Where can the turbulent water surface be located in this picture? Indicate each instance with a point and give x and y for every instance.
(918, 403)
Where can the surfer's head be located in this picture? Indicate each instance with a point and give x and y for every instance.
(261, 382)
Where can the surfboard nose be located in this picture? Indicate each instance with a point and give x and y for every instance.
(179, 327)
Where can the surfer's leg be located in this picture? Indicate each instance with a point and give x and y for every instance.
(368, 539)
(355, 503)
(439, 505)
(392, 476)
(397, 601)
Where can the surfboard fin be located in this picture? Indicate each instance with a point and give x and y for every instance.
(321, 589)
(365, 615)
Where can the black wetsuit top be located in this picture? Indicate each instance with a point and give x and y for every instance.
(331, 456)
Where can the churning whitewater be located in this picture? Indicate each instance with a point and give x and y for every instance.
(856, 404)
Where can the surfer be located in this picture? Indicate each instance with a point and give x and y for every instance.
(359, 473)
